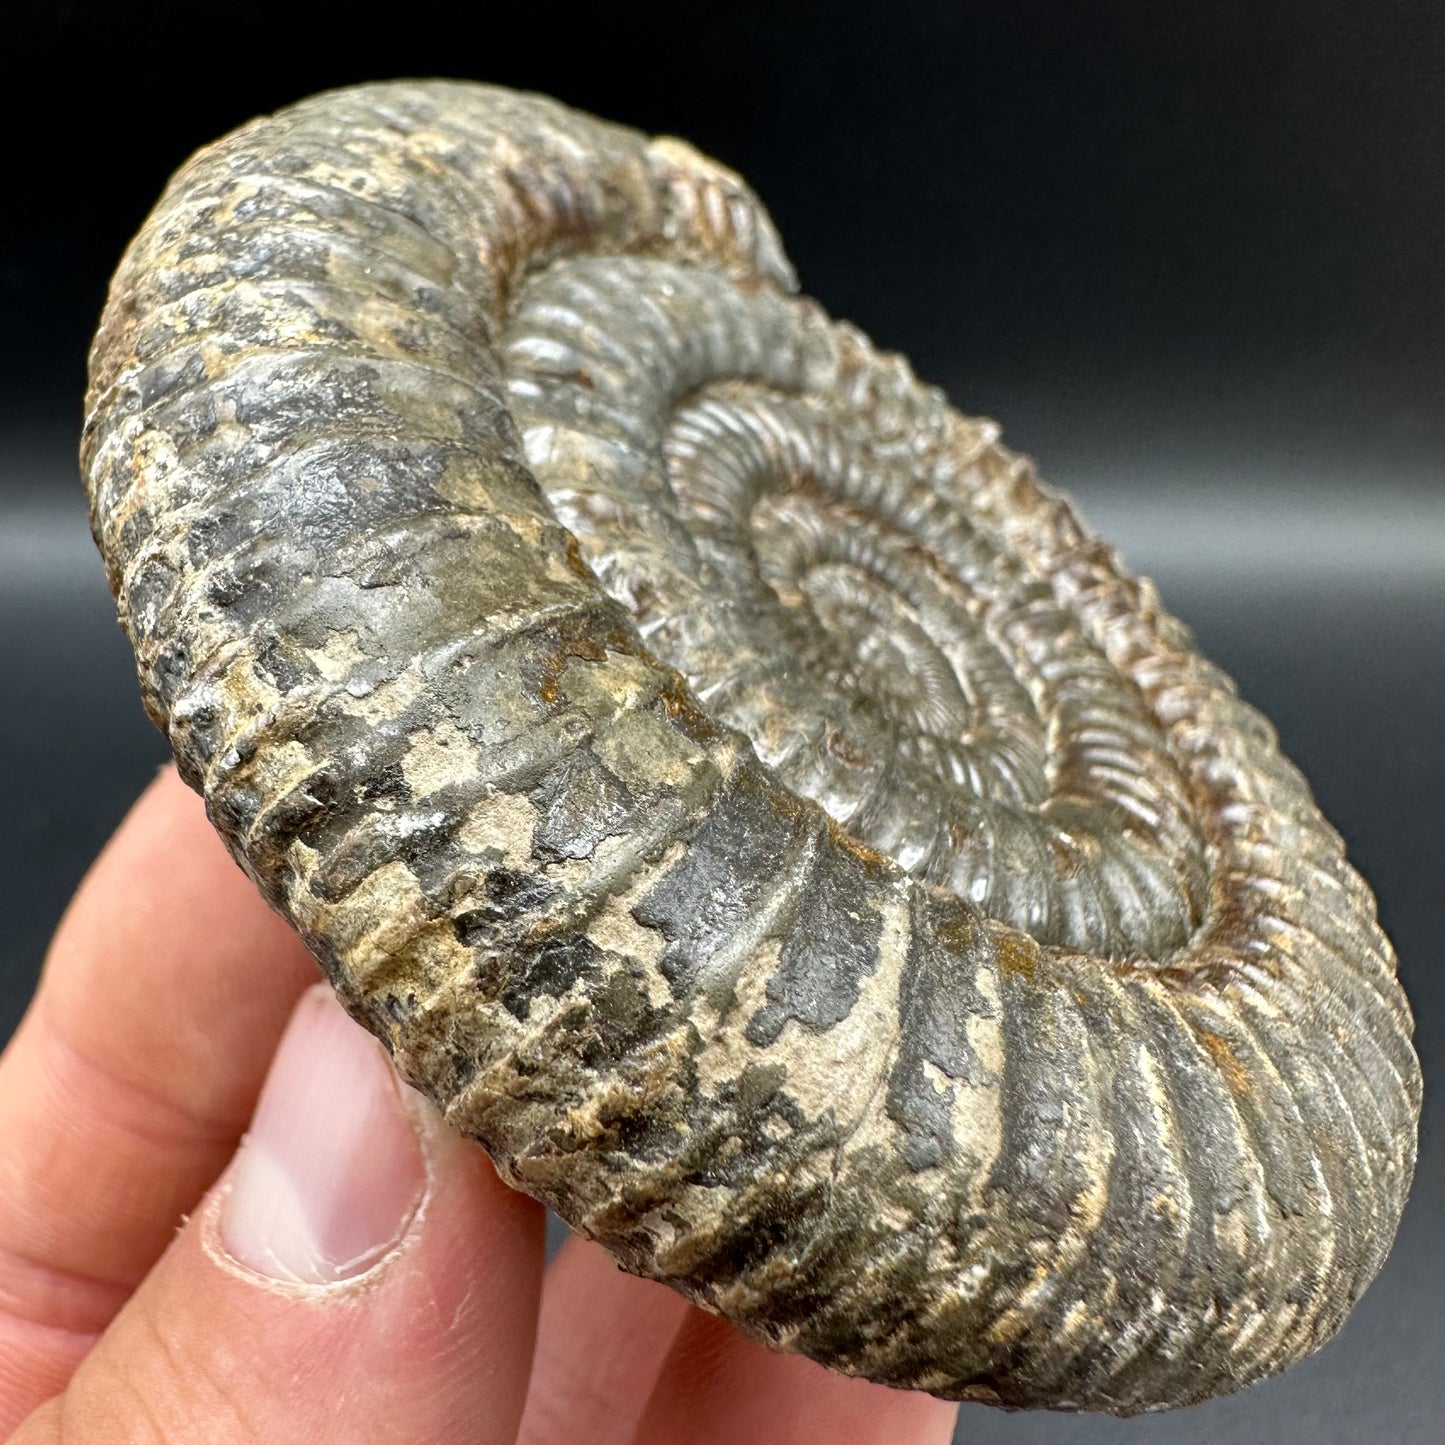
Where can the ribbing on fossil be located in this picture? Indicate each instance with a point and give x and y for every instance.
(734, 789)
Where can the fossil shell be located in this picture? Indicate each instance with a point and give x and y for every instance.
(733, 787)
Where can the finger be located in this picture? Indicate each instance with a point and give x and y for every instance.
(126, 1087)
(718, 1388)
(601, 1340)
(359, 1274)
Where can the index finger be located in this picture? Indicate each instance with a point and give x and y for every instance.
(128, 1084)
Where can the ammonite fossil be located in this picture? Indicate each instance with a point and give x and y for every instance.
(733, 787)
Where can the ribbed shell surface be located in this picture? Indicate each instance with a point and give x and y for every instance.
(734, 789)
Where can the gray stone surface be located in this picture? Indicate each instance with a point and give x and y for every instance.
(1064, 1067)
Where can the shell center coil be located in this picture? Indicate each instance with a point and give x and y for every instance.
(785, 519)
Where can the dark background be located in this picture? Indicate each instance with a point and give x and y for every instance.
(1189, 254)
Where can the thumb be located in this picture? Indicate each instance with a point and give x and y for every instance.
(358, 1274)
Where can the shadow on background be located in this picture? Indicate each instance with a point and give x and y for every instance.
(1189, 258)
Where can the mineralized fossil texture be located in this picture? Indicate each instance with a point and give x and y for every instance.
(732, 786)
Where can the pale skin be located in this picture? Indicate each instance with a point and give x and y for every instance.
(154, 1287)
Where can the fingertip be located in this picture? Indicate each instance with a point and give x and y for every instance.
(358, 1273)
(128, 1082)
(720, 1388)
(602, 1338)
(331, 1169)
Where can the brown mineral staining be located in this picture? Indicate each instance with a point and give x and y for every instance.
(1230, 1068)
(736, 790)
(1016, 956)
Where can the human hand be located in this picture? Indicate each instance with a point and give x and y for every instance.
(351, 1272)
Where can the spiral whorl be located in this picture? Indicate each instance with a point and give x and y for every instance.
(741, 795)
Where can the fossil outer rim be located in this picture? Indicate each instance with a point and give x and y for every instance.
(526, 578)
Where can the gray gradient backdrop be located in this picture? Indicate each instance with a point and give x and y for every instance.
(1189, 260)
